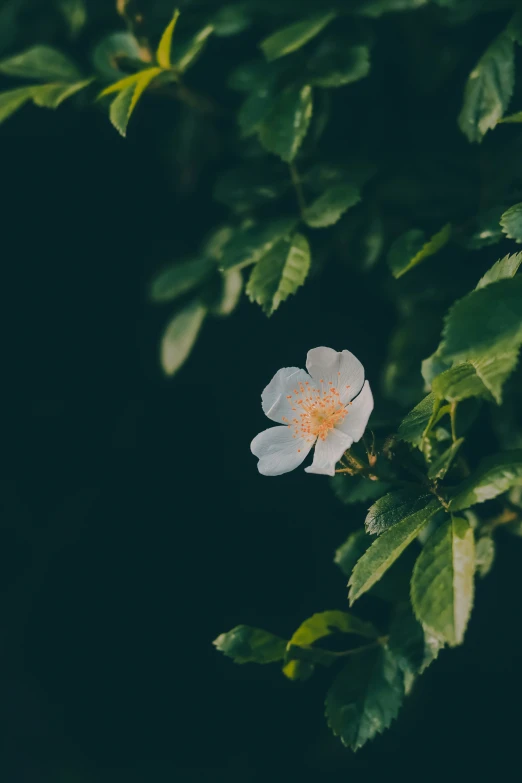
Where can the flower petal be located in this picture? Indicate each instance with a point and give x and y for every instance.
(354, 423)
(279, 451)
(328, 452)
(274, 399)
(340, 368)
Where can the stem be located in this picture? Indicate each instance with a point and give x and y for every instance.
(296, 182)
(453, 418)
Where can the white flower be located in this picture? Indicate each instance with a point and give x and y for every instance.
(330, 407)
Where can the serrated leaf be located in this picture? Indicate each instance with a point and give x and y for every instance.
(248, 246)
(393, 508)
(335, 64)
(124, 104)
(415, 424)
(442, 581)
(483, 230)
(12, 100)
(494, 475)
(442, 464)
(511, 222)
(251, 645)
(331, 205)
(180, 278)
(483, 377)
(51, 96)
(186, 54)
(163, 51)
(283, 131)
(355, 489)
(410, 249)
(413, 648)
(488, 89)
(42, 63)
(484, 555)
(505, 268)
(486, 320)
(180, 336)
(289, 39)
(279, 273)
(365, 697)
(386, 549)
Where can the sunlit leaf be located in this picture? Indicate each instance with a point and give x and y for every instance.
(251, 645)
(511, 222)
(283, 131)
(494, 476)
(42, 63)
(124, 104)
(163, 51)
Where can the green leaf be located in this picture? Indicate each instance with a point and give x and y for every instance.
(386, 549)
(416, 423)
(75, 14)
(125, 103)
(483, 377)
(293, 37)
(351, 551)
(365, 697)
(393, 508)
(163, 51)
(483, 230)
(279, 273)
(442, 581)
(326, 623)
(494, 475)
(42, 63)
(484, 555)
(13, 100)
(413, 648)
(355, 489)
(51, 96)
(506, 268)
(251, 645)
(511, 222)
(283, 131)
(111, 50)
(334, 64)
(187, 53)
(232, 285)
(488, 89)
(180, 336)
(251, 186)
(231, 20)
(442, 464)
(180, 278)
(249, 245)
(410, 249)
(331, 205)
(375, 8)
(517, 117)
(486, 320)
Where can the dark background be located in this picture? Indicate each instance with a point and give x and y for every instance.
(135, 527)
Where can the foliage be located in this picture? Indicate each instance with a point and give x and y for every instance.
(364, 140)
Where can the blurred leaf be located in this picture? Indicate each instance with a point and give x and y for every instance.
(231, 20)
(177, 279)
(351, 551)
(42, 63)
(517, 117)
(232, 286)
(251, 645)
(393, 508)
(386, 549)
(293, 37)
(483, 230)
(488, 89)
(279, 273)
(376, 8)
(511, 222)
(334, 64)
(51, 96)
(442, 581)
(494, 476)
(283, 131)
(75, 14)
(13, 100)
(111, 50)
(180, 336)
(410, 249)
(163, 51)
(124, 104)
(484, 555)
(442, 464)
(415, 424)
(365, 697)
(250, 186)
(247, 246)
(186, 54)
(331, 205)
(504, 269)
(355, 489)
(413, 648)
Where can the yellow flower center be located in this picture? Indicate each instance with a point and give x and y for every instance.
(317, 410)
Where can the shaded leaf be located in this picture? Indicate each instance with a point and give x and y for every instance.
(488, 89)
(163, 51)
(393, 508)
(42, 63)
(415, 424)
(250, 186)
(232, 285)
(386, 549)
(293, 37)
(12, 100)
(180, 336)
(483, 377)
(494, 475)
(51, 96)
(334, 64)
(251, 645)
(442, 464)
(283, 131)
(442, 581)
(184, 55)
(331, 205)
(511, 222)
(365, 697)
(355, 489)
(413, 648)
(231, 20)
(180, 278)
(111, 50)
(410, 249)
(483, 230)
(351, 551)
(248, 246)
(124, 104)
(279, 273)
(484, 555)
